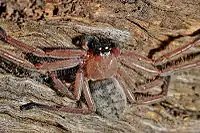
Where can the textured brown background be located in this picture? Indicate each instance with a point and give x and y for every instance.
(141, 25)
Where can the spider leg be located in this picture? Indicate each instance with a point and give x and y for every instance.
(78, 85)
(172, 69)
(67, 109)
(157, 97)
(64, 90)
(6, 38)
(126, 83)
(65, 53)
(58, 65)
(88, 97)
(166, 57)
(82, 85)
(55, 53)
(19, 61)
(155, 82)
(179, 51)
(134, 56)
(47, 66)
(60, 86)
(135, 61)
(131, 94)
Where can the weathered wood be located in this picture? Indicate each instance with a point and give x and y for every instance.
(150, 28)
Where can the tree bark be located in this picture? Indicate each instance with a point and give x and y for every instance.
(150, 28)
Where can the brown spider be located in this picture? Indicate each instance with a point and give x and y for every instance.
(96, 60)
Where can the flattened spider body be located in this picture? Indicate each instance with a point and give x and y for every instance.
(98, 59)
(101, 60)
(101, 66)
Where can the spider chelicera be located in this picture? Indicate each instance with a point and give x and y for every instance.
(97, 59)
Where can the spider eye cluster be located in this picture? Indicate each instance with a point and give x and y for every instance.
(97, 46)
(100, 47)
(103, 51)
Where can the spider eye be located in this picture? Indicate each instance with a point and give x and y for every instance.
(104, 51)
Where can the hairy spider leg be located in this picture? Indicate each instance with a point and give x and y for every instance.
(164, 58)
(58, 65)
(55, 53)
(172, 69)
(145, 86)
(78, 84)
(58, 85)
(163, 94)
(66, 53)
(50, 67)
(83, 85)
(47, 66)
(79, 87)
(64, 90)
(129, 58)
(169, 70)
(134, 61)
(161, 81)
(127, 83)
(134, 56)
(62, 108)
(6, 38)
(17, 60)
(87, 95)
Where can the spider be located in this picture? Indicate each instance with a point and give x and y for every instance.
(96, 60)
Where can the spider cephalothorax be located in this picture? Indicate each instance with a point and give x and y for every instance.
(96, 46)
(98, 59)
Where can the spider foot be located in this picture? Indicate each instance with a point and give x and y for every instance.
(3, 34)
(67, 109)
(197, 43)
(29, 106)
(148, 98)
